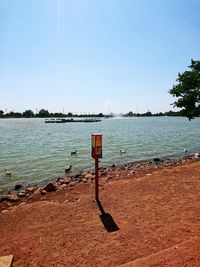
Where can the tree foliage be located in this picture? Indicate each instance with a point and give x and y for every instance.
(43, 113)
(1, 113)
(187, 91)
(28, 113)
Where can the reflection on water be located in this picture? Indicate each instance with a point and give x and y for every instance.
(34, 151)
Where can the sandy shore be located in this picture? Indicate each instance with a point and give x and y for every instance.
(149, 213)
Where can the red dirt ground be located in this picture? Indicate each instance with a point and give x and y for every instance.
(157, 214)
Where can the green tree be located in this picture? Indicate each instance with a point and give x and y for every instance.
(187, 91)
(130, 114)
(69, 114)
(28, 113)
(1, 113)
(43, 113)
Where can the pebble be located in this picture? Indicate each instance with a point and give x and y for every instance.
(61, 187)
(72, 183)
(87, 175)
(30, 189)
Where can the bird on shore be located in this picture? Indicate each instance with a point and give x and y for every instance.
(74, 152)
(68, 169)
(122, 151)
(8, 173)
(185, 151)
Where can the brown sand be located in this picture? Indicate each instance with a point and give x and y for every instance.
(157, 212)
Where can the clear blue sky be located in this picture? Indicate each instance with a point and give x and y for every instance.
(95, 56)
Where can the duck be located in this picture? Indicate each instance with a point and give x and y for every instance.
(74, 152)
(68, 169)
(185, 151)
(8, 173)
(122, 151)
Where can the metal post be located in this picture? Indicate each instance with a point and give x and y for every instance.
(97, 178)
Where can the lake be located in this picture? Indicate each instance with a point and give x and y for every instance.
(36, 152)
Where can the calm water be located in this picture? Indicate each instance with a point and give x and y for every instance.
(35, 151)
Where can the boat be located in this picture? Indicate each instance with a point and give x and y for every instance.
(92, 120)
(52, 120)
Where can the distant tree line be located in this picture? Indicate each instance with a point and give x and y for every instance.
(149, 114)
(46, 114)
(43, 113)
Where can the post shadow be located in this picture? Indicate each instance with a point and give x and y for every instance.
(107, 219)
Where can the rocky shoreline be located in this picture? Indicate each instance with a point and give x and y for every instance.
(20, 194)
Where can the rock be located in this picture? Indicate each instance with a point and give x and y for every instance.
(60, 181)
(77, 176)
(72, 183)
(30, 189)
(21, 194)
(43, 192)
(50, 187)
(87, 175)
(11, 197)
(84, 180)
(84, 173)
(61, 187)
(18, 186)
(37, 191)
(66, 180)
(59, 178)
(138, 166)
(156, 160)
(196, 155)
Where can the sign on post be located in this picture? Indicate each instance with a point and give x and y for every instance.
(96, 154)
(96, 146)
